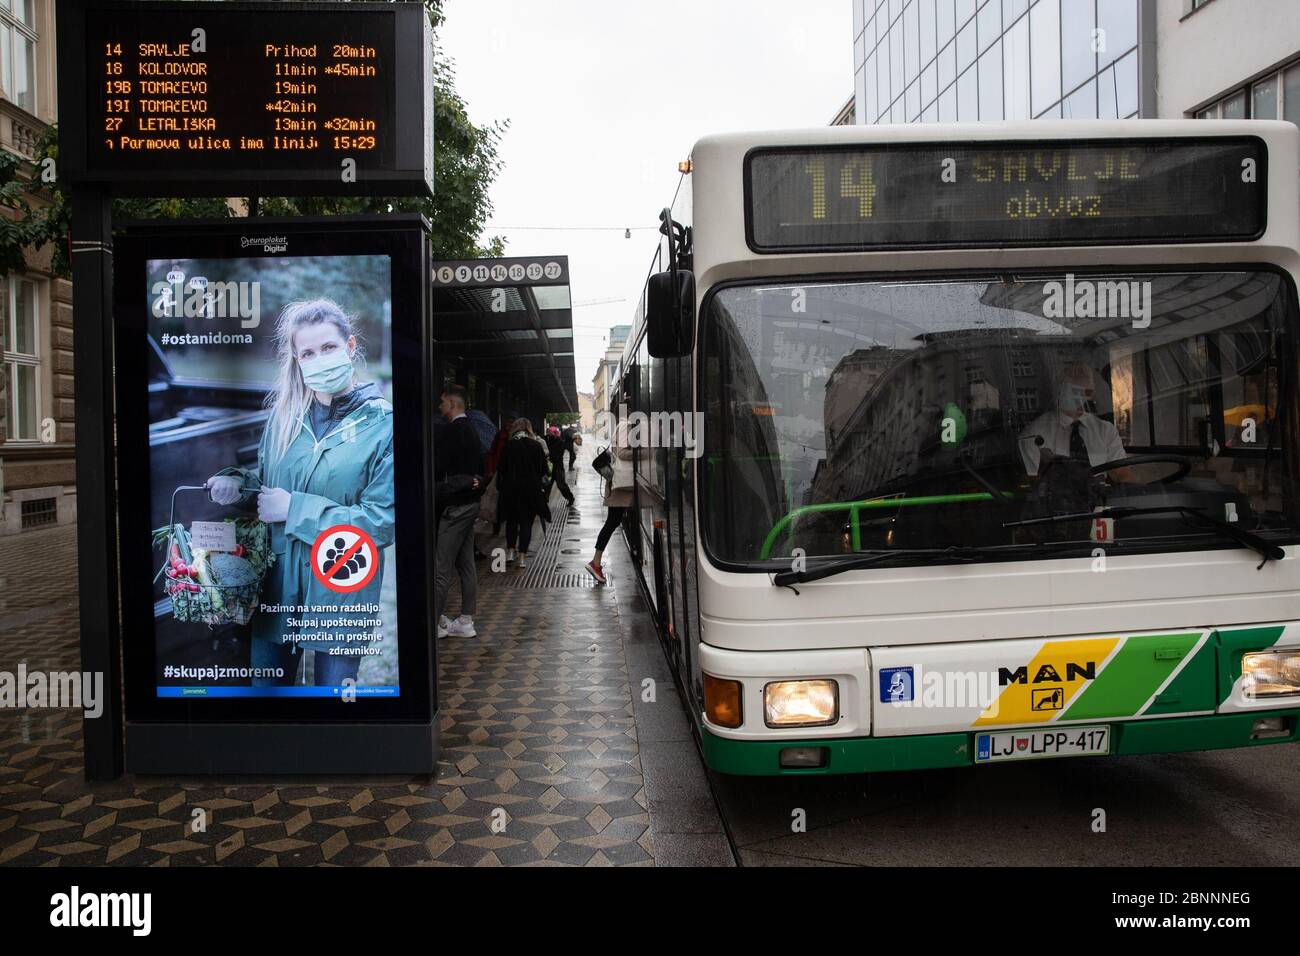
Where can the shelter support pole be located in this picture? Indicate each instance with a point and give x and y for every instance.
(97, 572)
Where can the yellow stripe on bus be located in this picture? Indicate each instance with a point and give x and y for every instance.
(1044, 687)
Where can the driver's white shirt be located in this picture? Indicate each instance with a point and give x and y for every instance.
(1100, 438)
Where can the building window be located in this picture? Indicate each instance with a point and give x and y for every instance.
(1274, 96)
(1026, 399)
(1291, 95)
(18, 52)
(19, 307)
(39, 513)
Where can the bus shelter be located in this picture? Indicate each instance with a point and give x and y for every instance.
(503, 328)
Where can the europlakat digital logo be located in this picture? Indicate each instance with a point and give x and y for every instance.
(269, 244)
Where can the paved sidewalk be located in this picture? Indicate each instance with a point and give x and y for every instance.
(537, 720)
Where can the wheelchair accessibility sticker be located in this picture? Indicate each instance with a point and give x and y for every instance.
(896, 684)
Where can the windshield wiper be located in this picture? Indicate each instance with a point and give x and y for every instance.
(864, 560)
(1247, 539)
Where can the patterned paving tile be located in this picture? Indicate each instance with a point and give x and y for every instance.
(540, 761)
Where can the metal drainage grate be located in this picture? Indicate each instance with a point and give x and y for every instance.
(544, 570)
(39, 513)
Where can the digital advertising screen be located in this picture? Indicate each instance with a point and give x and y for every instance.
(274, 372)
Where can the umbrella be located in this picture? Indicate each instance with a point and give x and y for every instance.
(487, 432)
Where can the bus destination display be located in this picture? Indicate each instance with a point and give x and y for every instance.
(1005, 194)
(250, 93)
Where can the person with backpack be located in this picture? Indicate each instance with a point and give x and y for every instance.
(571, 441)
(519, 485)
(555, 449)
(619, 496)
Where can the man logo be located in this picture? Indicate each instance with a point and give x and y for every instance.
(1047, 698)
(1047, 673)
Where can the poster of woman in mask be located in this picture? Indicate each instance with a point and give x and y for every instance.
(312, 501)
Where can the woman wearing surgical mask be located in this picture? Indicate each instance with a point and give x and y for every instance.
(325, 459)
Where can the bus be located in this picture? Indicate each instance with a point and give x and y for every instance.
(983, 442)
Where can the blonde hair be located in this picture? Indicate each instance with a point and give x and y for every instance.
(520, 424)
(289, 400)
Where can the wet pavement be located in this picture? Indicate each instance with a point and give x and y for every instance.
(546, 760)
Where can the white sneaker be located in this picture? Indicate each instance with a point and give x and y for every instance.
(523, 559)
(463, 626)
(444, 626)
(510, 555)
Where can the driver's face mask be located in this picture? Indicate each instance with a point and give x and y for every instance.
(1074, 399)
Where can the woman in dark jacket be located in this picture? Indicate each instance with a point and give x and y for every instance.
(520, 474)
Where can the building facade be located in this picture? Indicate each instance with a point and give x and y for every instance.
(37, 461)
(1229, 59)
(586, 411)
(992, 60)
(604, 381)
(925, 61)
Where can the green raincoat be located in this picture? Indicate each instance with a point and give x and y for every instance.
(345, 478)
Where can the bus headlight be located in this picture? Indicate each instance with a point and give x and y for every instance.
(801, 703)
(1270, 674)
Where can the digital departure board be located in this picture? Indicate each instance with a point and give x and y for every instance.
(282, 97)
(1005, 194)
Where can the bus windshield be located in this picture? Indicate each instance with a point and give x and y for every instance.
(847, 417)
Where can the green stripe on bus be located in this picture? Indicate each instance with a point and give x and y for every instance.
(1139, 667)
(932, 751)
(1195, 687)
(748, 758)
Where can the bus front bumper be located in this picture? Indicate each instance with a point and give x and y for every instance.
(930, 751)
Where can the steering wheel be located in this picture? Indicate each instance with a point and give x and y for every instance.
(1184, 466)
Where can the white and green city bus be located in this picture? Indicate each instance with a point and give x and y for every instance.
(998, 453)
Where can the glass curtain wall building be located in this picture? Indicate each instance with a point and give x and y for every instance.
(967, 60)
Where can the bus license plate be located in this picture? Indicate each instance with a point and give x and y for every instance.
(1035, 744)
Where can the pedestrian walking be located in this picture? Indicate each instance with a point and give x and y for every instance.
(555, 449)
(458, 473)
(617, 499)
(520, 474)
(571, 441)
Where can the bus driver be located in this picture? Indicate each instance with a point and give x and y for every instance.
(1069, 430)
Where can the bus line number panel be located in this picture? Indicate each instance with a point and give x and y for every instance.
(1183, 190)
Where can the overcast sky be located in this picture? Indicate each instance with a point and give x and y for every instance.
(604, 97)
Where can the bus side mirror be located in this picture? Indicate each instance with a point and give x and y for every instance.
(670, 313)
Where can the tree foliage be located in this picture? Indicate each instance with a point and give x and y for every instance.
(466, 163)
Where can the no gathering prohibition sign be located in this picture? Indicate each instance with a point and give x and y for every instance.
(344, 558)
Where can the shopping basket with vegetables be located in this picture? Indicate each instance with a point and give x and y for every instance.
(214, 587)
